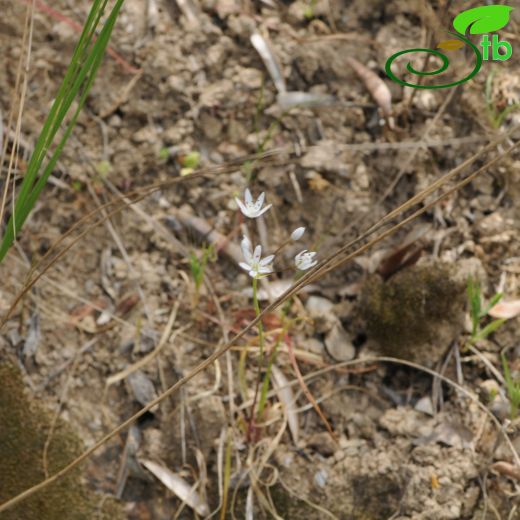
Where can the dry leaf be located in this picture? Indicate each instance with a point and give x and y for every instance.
(505, 310)
(178, 486)
(271, 63)
(127, 303)
(339, 344)
(288, 100)
(317, 182)
(504, 468)
(374, 84)
(286, 397)
(450, 45)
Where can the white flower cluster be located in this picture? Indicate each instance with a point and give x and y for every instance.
(257, 266)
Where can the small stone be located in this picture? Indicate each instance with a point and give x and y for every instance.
(176, 83)
(426, 100)
(142, 387)
(317, 306)
(425, 405)
(211, 126)
(339, 344)
(322, 443)
(146, 134)
(225, 8)
(249, 77)
(320, 478)
(241, 25)
(313, 345)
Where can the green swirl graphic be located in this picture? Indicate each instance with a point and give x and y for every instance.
(440, 70)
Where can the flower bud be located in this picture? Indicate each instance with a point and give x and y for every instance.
(297, 234)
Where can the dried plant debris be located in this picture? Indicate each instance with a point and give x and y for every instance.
(374, 84)
(178, 485)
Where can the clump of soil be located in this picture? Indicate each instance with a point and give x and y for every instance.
(415, 314)
(24, 431)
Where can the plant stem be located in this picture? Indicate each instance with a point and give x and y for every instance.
(256, 305)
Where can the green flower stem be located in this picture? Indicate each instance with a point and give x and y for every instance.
(256, 305)
(272, 359)
(257, 311)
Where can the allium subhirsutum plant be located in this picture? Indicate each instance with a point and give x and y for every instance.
(258, 268)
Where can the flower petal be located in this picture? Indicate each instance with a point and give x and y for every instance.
(246, 249)
(305, 260)
(248, 197)
(260, 201)
(261, 212)
(245, 266)
(266, 261)
(257, 254)
(243, 209)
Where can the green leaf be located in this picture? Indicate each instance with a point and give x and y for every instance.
(484, 19)
(191, 160)
(513, 388)
(196, 269)
(76, 84)
(492, 303)
(488, 329)
(474, 301)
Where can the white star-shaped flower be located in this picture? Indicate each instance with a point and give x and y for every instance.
(305, 260)
(254, 264)
(252, 209)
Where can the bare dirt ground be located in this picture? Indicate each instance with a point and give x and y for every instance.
(116, 321)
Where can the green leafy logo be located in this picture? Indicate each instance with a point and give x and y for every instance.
(480, 20)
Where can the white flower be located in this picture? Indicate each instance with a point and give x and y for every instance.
(297, 234)
(252, 209)
(256, 266)
(305, 260)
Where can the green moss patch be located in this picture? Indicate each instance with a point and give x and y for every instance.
(24, 426)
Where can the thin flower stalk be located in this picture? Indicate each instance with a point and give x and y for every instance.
(272, 358)
(256, 304)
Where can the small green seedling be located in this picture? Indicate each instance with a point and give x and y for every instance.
(189, 163)
(191, 160)
(496, 117)
(477, 313)
(103, 168)
(198, 267)
(77, 185)
(164, 153)
(309, 10)
(513, 388)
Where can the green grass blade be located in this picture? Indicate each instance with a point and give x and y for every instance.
(85, 62)
(53, 121)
